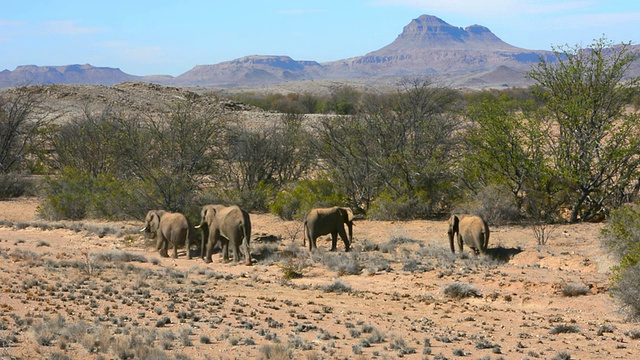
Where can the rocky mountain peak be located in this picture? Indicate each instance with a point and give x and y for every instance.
(431, 32)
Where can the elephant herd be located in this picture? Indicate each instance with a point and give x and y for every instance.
(232, 225)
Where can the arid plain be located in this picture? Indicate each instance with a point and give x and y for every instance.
(99, 290)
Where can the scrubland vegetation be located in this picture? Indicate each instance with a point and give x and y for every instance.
(565, 150)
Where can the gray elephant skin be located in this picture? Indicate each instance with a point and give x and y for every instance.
(170, 229)
(471, 230)
(323, 221)
(227, 225)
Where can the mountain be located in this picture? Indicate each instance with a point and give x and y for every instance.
(251, 71)
(68, 74)
(430, 46)
(461, 57)
(427, 46)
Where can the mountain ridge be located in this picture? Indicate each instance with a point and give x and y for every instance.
(427, 46)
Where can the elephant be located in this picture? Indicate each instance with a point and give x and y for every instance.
(323, 221)
(227, 224)
(470, 229)
(169, 228)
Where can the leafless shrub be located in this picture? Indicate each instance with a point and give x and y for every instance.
(564, 329)
(542, 231)
(484, 344)
(342, 263)
(400, 346)
(393, 243)
(275, 352)
(415, 265)
(604, 328)
(337, 287)
(120, 257)
(563, 355)
(575, 289)
(634, 334)
(461, 291)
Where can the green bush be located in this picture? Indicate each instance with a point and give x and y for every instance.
(294, 203)
(74, 195)
(494, 203)
(13, 185)
(254, 199)
(621, 237)
(390, 207)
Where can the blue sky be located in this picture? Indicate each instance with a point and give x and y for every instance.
(171, 37)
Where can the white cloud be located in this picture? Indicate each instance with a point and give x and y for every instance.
(68, 27)
(11, 23)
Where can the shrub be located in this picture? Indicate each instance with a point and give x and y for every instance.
(275, 352)
(621, 237)
(13, 185)
(250, 199)
(494, 203)
(74, 195)
(343, 264)
(337, 287)
(460, 291)
(391, 245)
(564, 329)
(575, 289)
(388, 206)
(627, 289)
(295, 203)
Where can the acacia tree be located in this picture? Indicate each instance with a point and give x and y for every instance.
(258, 160)
(505, 146)
(396, 151)
(22, 118)
(596, 150)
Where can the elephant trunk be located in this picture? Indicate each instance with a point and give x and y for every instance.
(205, 235)
(350, 227)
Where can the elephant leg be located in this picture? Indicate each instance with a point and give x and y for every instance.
(236, 251)
(345, 240)
(210, 243)
(225, 250)
(175, 250)
(334, 241)
(204, 246)
(312, 241)
(247, 252)
(161, 245)
(209, 251)
(460, 242)
(187, 245)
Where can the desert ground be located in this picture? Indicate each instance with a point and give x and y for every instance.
(99, 290)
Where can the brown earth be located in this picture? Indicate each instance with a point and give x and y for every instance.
(99, 290)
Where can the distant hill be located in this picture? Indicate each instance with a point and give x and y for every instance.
(251, 71)
(461, 57)
(68, 74)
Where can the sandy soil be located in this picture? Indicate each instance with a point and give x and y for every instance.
(99, 290)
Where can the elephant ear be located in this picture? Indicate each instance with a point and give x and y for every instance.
(347, 214)
(454, 223)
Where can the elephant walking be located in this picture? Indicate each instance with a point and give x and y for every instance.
(323, 221)
(169, 229)
(471, 230)
(227, 224)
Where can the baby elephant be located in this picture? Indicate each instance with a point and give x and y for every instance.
(471, 230)
(169, 228)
